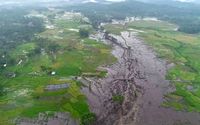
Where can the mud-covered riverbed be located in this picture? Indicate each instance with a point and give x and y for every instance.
(138, 76)
(155, 87)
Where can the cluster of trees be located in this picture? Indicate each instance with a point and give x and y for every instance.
(84, 32)
(17, 28)
(183, 14)
(187, 24)
(48, 45)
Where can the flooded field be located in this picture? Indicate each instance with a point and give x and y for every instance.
(139, 77)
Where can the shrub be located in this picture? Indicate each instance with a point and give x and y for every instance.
(88, 119)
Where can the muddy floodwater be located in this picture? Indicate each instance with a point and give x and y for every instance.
(138, 76)
(155, 87)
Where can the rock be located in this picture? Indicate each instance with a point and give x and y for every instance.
(59, 118)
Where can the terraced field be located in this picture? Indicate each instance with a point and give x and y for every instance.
(56, 56)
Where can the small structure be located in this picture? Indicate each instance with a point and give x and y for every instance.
(5, 65)
(56, 87)
(10, 75)
(53, 73)
(20, 62)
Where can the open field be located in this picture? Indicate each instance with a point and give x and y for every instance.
(140, 25)
(181, 51)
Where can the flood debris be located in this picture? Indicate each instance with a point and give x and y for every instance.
(59, 118)
(113, 98)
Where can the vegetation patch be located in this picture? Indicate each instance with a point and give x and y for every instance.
(118, 98)
(53, 54)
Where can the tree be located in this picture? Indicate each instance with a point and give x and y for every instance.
(53, 47)
(84, 32)
(37, 50)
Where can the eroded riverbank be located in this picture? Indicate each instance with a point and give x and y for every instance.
(139, 76)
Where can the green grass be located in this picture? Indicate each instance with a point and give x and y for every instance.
(115, 28)
(151, 25)
(65, 24)
(141, 25)
(23, 50)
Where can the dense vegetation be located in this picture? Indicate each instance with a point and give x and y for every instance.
(42, 56)
(16, 28)
(186, 16)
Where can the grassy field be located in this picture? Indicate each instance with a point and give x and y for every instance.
(179, 48)
(139, 26)
(25, 94)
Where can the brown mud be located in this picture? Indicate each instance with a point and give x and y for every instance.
(139, 77)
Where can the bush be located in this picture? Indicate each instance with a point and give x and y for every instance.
(84, 32)
(2, 92)
(118, 98)
(88, 119)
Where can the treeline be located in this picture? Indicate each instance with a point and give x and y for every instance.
(185, 15)
(187, 24)
(16, 27)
